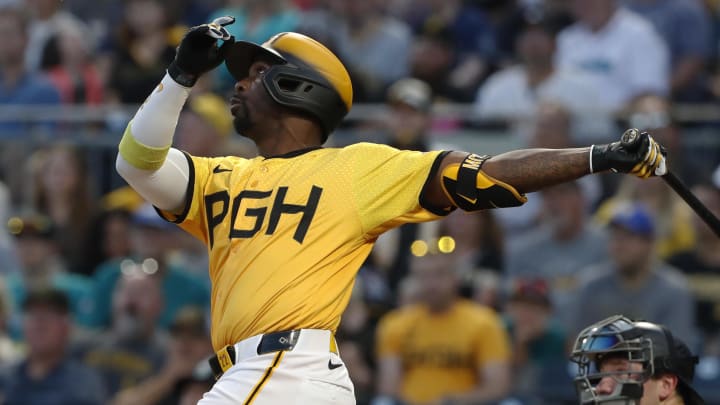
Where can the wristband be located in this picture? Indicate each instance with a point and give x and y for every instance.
(182, 78)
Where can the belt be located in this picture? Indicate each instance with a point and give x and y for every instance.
(269, 343)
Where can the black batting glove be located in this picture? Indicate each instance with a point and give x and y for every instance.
(198, 51)
(635, 153)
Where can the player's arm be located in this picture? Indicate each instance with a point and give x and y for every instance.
(473, 182)
(145, 160)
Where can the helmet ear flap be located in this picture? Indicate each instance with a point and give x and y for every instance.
(305, 91)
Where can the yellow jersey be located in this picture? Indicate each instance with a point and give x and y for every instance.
(441, 354)
(286, 235)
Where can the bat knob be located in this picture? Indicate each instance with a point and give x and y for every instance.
(630, 138)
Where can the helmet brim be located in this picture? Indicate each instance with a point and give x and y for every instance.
(241, 54)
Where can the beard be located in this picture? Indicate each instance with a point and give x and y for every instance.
(242, 120)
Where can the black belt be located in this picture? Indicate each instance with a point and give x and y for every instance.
(269, 343)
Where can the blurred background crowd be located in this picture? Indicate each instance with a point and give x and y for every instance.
(101, 301)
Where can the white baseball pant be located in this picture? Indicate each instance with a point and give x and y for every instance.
(308, 374)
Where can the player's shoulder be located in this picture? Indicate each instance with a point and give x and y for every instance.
(476, 313)
(220, 164)
(402, 317)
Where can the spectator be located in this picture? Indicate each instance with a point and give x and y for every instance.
(634, 282)
(153, 241)
(47, 18)
(62, 190)
(133, 349)
(565, 243)
(42, 267)
(194, 388)
(538, 342)
(477, 239)
(8, 255)
(109, 237)
(355, 337)
(552, 128)
(407, 125)
(365, 39)
(18, 85)
(255, 21)
(686, 28)
(701, 264)
(189, 345)
(47, 375)
(671, 215)
(204, 126)
(73, 72)
(513, 93)
(443, 349)
(619, 49)
(142, 51)
(470, 34)
(9, 350)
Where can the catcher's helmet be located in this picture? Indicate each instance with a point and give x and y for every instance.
(651, 345)
(304, 75)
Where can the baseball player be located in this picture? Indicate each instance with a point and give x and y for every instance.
(635, 363)
(288, 230)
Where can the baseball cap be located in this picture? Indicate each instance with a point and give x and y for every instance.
(47, 297)
(189, 321)
(635, 218)
(413, 92)
(535, 291)
(213, 110)
(146, 216)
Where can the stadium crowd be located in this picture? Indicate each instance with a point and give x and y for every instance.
(103, 302)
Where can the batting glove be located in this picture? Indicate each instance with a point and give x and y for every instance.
(198, 51)
(635, 153)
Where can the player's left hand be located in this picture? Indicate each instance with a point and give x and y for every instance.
(199, 52)
(636, 153)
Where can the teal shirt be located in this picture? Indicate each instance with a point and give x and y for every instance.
(78, 289)
(180, 289)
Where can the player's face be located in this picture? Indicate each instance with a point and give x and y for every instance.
(633, 372)
(251, 103)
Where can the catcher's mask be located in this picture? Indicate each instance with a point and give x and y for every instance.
(304, 75)
(651, 346)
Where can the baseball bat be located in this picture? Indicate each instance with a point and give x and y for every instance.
(630, 138)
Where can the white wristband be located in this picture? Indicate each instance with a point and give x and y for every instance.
(590, 156)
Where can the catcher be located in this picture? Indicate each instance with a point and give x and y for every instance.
(288, 230)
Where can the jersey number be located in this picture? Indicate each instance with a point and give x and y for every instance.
(279, 207)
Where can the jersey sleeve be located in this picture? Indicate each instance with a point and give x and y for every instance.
(387, 185)
(493, 343)
(192, 219)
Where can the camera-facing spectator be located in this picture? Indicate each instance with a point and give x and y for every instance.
(19, 84)
(634, 282)
(48, 375)
(134, 348)
(619, 49)
(444, 348)
(41, 266)
(686, 28)
(515, 92)
(153, 242)
(189, 347)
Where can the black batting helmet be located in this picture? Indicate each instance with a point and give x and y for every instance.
(305, 75)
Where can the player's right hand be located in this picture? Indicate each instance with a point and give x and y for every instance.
(199, 52)
(636, 153)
